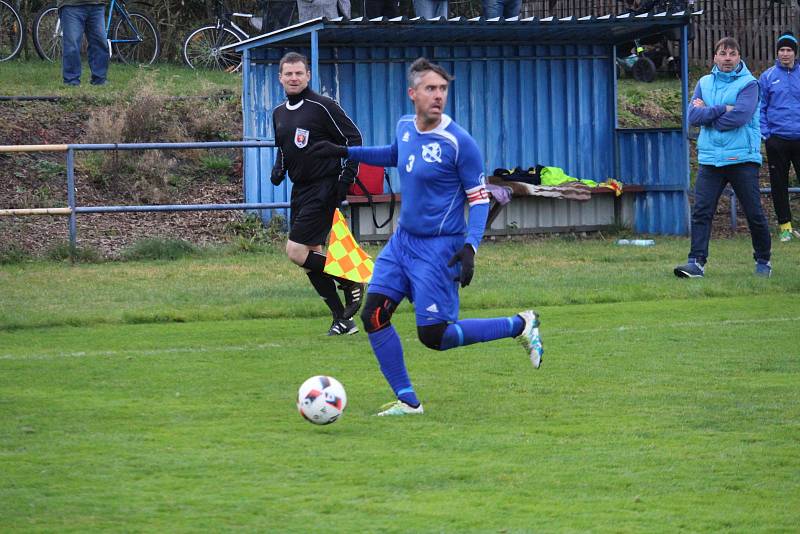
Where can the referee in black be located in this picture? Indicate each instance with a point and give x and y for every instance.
(319, 185)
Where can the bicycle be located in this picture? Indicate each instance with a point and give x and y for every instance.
(135, 38)
(201, 48)
(12, 32)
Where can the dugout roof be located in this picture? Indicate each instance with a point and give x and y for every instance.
(530, 91)
(606, 29)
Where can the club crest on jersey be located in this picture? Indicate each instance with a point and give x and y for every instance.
(300, 138)
(432, 152)
(406, 136)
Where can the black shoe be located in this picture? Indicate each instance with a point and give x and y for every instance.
(690, 269)
(353, 296)
(342, 327)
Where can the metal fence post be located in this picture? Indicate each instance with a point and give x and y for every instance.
(73, 229)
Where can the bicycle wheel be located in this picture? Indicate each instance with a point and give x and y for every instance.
(12, 32)
(201, 49)
(47, 34)
(136, 52)
(644, 70)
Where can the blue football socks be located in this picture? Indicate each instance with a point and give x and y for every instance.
(469, 331)
(389, 351)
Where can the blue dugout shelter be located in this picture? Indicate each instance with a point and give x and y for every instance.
(531, 91)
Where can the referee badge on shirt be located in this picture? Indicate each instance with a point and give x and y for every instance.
(300, 138)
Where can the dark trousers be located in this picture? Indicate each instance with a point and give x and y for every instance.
(710, 183)
(381, 8)
(780, 154)
(277, 13)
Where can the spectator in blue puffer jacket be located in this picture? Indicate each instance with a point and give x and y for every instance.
(780, 127)
(725, 106)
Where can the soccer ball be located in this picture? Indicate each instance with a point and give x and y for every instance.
(321, 400)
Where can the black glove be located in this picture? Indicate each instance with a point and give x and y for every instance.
(346, 179)
(326, 149)
(277, 176)
(467, 258)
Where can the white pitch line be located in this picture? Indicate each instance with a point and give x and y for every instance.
(244, 348)
(143, 352)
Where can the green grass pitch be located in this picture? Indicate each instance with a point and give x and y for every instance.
(159, 396)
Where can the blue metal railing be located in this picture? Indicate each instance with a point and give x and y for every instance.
(764, 190)
(72, 209)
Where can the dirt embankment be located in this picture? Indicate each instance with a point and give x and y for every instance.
(38, 180)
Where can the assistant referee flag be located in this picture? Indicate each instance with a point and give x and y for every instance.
(345, 258)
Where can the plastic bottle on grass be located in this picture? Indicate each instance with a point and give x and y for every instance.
(637, 242)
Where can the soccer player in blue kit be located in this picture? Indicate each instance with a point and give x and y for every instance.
(440, 168)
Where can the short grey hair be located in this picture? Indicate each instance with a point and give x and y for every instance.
(420, 67)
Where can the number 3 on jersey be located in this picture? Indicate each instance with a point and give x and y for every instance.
(410, 164)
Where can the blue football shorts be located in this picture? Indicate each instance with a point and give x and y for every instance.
(415, 267)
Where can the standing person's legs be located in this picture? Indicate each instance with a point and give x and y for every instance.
(391, 8)
(277, 14)
(511, 8)
(73, 19)
(491, 8)
(307, 10)
(707, 189)
(98, 44)
(430, 9)
(778, 160)
(744, 180)
(381, 8)
(794, 156)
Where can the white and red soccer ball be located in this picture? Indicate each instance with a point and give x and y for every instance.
(321, 400)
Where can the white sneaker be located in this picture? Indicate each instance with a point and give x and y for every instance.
(530, 339)
(399, 407)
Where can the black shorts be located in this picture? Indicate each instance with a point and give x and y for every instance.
(312, 212)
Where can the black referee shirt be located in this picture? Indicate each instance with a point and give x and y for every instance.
(305, 119)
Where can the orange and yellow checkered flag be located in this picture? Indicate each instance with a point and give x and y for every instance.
(345, 258)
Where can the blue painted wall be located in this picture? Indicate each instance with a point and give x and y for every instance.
(524, 104)
(657, 159)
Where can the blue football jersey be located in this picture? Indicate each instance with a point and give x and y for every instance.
(439, 171)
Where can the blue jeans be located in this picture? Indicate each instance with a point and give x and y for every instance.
(710, 183)
(75, 21)
(430, 9)
(501, 8)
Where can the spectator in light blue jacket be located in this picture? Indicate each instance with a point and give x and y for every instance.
(725, 106)
(780, 127)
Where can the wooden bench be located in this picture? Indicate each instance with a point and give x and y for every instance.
(513, 218)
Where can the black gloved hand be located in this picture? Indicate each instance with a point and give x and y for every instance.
(277, 176)
(346, 179)
(326, 149)
(467, 258)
